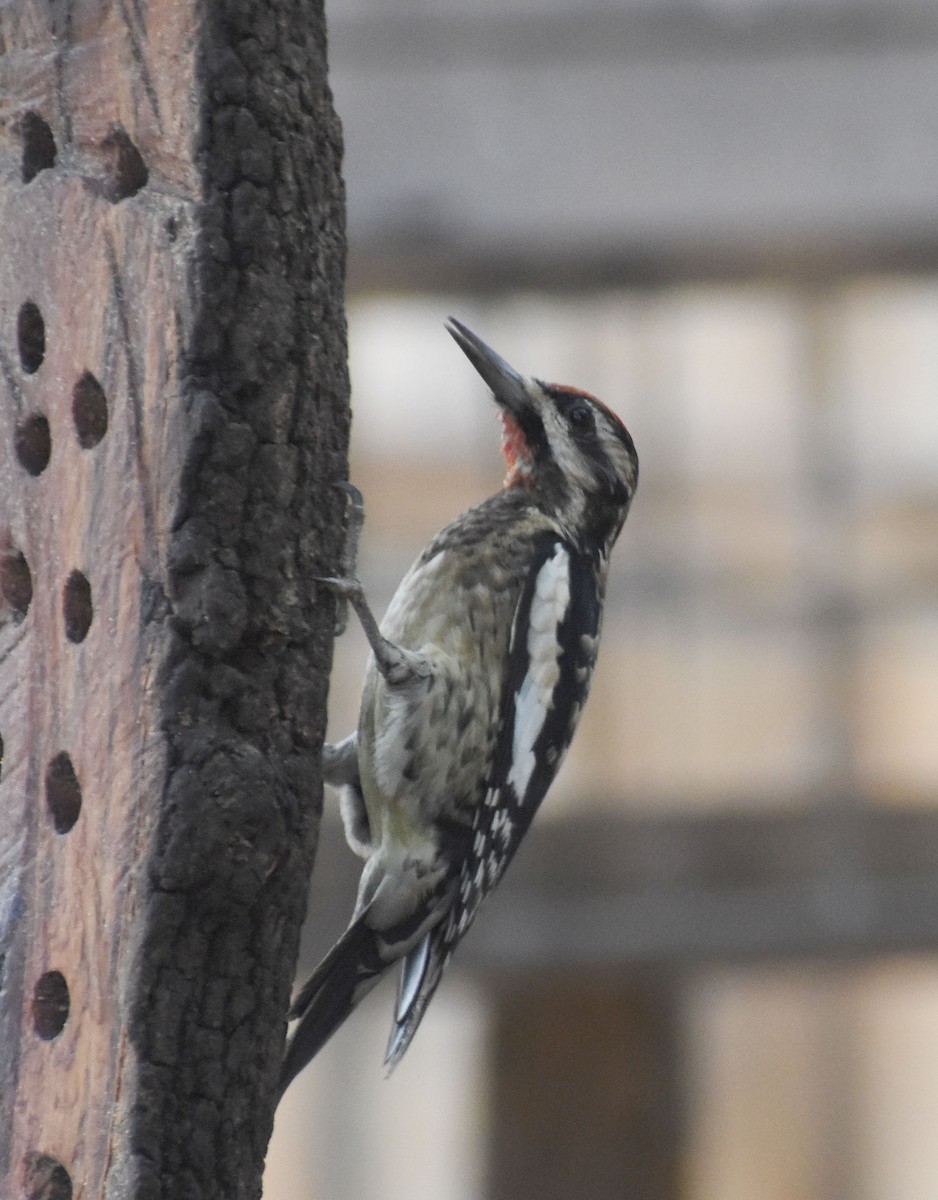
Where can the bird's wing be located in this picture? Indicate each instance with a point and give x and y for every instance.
(551, 655)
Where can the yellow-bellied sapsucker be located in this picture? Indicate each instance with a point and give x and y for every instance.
(478, 675)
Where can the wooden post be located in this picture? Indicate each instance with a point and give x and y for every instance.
(172, 413)
(584, 1098)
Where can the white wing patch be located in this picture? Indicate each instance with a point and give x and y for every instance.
(534, 697)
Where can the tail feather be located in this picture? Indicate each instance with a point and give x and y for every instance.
(421, 972)
(349, 971)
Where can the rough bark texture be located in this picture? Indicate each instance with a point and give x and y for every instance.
(172, 413)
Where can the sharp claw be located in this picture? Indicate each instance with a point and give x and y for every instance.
(339, 585)
(357, 499)
(330, 580)
(355, 519)
(343, 590)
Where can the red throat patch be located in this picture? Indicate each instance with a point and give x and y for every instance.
(515, 449)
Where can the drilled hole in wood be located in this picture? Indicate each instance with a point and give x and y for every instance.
(125, 171)
(63, 792)
(89, 411)
(16, 583)
(33, 443)
(39, 149)
(31, 337)
(46, 1179)
(50, 1005)
(77, 607)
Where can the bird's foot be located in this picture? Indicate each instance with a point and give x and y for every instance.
(396, 665)
(346, 580)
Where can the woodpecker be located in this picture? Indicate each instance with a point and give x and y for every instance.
(476, 681)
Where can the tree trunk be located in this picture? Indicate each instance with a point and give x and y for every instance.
(173, 413)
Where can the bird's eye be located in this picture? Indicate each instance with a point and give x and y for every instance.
(581, 418)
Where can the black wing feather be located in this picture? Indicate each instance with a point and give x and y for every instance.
(505, 817)
(502, 817)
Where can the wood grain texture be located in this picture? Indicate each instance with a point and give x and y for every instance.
(171, 208)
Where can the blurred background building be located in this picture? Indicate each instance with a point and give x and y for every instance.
(710, 974)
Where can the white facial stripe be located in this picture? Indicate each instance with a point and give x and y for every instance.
(616, 452)
(571, 460)
(534, 697)
(574, 464)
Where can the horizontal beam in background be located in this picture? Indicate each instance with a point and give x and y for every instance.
(546, 149)
(672, 891)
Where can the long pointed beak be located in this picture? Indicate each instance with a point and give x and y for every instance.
(508, 386)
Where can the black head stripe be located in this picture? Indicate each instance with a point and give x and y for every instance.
(566, 397)
(531, 425)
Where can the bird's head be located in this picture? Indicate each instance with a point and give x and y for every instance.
(565, 446)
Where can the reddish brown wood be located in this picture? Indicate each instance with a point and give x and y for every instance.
(172, 411)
